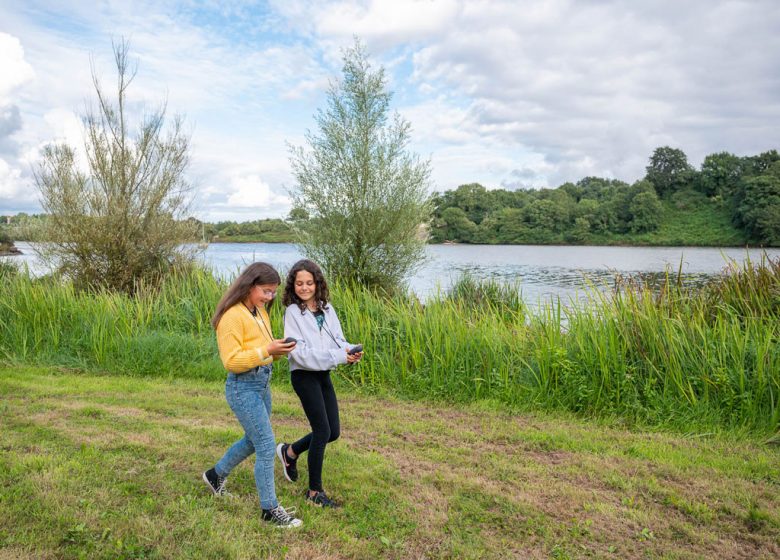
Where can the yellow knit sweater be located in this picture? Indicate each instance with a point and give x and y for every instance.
(243, 339)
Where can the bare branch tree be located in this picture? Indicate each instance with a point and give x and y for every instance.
(123, 221)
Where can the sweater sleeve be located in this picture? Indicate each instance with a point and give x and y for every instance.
(237, 359)
(306, 353)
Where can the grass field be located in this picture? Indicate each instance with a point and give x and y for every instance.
(99, 466)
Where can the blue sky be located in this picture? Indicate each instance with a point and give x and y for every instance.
(510, 94)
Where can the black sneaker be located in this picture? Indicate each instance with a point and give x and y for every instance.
(289, 466)
(281, 518)
(215, 482)
(320, 499)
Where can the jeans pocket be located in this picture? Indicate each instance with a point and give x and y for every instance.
(264, 376)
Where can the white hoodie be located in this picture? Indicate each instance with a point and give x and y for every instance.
(317, 349)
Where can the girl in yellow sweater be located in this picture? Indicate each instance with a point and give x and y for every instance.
(247, 349)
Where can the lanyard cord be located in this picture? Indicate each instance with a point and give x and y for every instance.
(259, 322)
(330, 334)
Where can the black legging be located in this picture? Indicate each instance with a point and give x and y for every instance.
(318, 398)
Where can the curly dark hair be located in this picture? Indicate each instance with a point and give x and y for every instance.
(321, 293)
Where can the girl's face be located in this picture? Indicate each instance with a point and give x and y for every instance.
(260, 294)
(305, 286)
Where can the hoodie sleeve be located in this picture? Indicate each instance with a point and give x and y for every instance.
(307, 354)
(335, 326)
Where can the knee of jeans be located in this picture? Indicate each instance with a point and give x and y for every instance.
(334, 434)
(267, 454)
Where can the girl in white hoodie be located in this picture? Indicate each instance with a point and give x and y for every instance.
(321, 346)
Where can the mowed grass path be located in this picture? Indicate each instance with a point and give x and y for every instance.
(109, 467)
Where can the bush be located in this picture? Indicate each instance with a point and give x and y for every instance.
(120, 224)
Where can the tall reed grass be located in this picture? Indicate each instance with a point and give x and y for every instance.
(679, 357)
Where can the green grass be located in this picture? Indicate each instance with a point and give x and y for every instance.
(689, 359)
(99, 466)
(265, 237)
(699, 223)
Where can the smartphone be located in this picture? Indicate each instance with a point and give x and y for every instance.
(355, 349)
(289, 339)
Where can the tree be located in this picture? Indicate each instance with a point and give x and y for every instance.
(546, 215)
(645, 211)
(365, 195)
(720, 174)
(759, 209)
(760, 164)
(121, 222)
(474, 200)
(669, 170)
(454, 225)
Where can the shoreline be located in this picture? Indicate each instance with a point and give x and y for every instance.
(9, 251)
(636, 245)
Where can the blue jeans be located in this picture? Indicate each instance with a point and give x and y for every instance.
(249, 397)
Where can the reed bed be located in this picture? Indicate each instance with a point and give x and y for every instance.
(691, 359)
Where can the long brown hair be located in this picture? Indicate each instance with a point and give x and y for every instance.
(255, 274)
(321, 292)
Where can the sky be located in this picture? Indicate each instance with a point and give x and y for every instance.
(509, 94)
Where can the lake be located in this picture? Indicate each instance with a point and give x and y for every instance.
(541, 271)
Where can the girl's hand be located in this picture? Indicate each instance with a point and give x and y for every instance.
(279, 348)
(354, 358)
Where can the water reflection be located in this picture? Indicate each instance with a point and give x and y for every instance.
(542, 272)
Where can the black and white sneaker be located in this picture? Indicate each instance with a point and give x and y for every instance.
(289, 466)
(215, 482)
(281, 517)
(321, 499)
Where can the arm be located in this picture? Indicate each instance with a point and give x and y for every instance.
(338, 334)
(307, 353)
(335, 326)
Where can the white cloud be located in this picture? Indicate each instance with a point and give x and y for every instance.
(250, 191)
(386, 22)
(11, 185)
(14, 70)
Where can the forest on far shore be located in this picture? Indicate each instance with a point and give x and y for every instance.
(729, 201)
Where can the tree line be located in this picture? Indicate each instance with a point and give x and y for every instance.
(744, 189)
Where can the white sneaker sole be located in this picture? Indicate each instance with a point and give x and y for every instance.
(289, 525)
(281, 460)
(206, 480)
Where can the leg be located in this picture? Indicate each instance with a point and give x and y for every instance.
(241, 449)
(303, 386)
(331, 408)
(250, 405)
(309, 389)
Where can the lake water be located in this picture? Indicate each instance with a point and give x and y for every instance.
(541, 271)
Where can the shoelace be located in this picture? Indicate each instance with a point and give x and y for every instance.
(281, 515)
(221, 487)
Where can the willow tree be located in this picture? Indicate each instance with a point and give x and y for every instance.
(361, 200)
(117, 220)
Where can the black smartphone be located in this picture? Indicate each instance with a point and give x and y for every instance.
(355, 349)
(289, 339)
